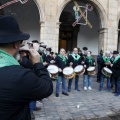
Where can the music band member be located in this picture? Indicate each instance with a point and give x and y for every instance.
(99, 57)
(105, 62)
(61, 62)
(89, 62)
(49, 59)
(74, 60)
(85, 50)
(116, 72)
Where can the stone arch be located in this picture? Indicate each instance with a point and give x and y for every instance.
(40, 8)
(99, 7)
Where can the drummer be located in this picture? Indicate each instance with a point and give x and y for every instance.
(89, 62)
(116, 72)
(61, 62)
(105, 62)
(74, 60)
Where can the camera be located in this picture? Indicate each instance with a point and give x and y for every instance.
(23, 51)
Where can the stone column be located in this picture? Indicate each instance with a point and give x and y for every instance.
(49, 34)
(50, 26)
(102, 43)
(112, 25)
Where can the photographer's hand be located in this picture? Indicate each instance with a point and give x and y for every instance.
(34, 56)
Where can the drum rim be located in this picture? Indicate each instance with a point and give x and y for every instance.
(108, 69)
(77, 66)
(56, 71)
(89, 68)
(68, 67)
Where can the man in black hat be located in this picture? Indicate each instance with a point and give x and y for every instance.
(85, 51)
(20, 85)
(116, 72)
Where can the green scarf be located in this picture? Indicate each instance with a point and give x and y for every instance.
(41, 59)
(106, 60)
(44, 52)
(63, 58)
(89, 60)
(116, 59)
(78, 56)
(6, 59)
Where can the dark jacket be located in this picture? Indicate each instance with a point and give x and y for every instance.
(60, 64)
(75, 62)
(99, 57)
(88, 64)
(19, 87)
(102, 64)
(116, 69)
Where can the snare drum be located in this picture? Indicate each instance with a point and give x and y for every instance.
(53, 70)
(68, 72)
(79, 70)
(107, 72)
(91, 71)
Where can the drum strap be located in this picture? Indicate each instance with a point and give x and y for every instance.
(75, 58)
(116, 59)
(63, 58)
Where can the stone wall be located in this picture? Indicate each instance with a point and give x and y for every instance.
(109, 11)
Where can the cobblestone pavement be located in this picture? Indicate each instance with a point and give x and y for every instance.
(92, 104)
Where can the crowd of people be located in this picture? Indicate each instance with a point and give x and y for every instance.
(107, 62)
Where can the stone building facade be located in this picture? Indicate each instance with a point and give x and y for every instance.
(108, 13)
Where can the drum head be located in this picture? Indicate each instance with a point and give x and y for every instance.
(107, 70)
(91, 69)
(52, 69)
(78, 68)
(67, 71)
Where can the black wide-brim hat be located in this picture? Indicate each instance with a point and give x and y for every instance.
(10, 31)
(115, 52)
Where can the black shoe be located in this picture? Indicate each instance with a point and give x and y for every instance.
(98, 81)
(114, 92)
(57, 95)
(64, 93)
(112, 87)
(37, 108)
(32, 116)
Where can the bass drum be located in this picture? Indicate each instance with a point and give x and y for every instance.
(91, 71)
(107, 72)
(53, 70)
(68, 72)
(79, 70)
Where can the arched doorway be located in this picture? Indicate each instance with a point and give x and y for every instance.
(119, 36)
(27, 16)
(81, 36)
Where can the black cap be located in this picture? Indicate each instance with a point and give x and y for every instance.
(35, 41)
(48, 49)
(52, 53)
(44, 46)
(115, 52)
(85, 48)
